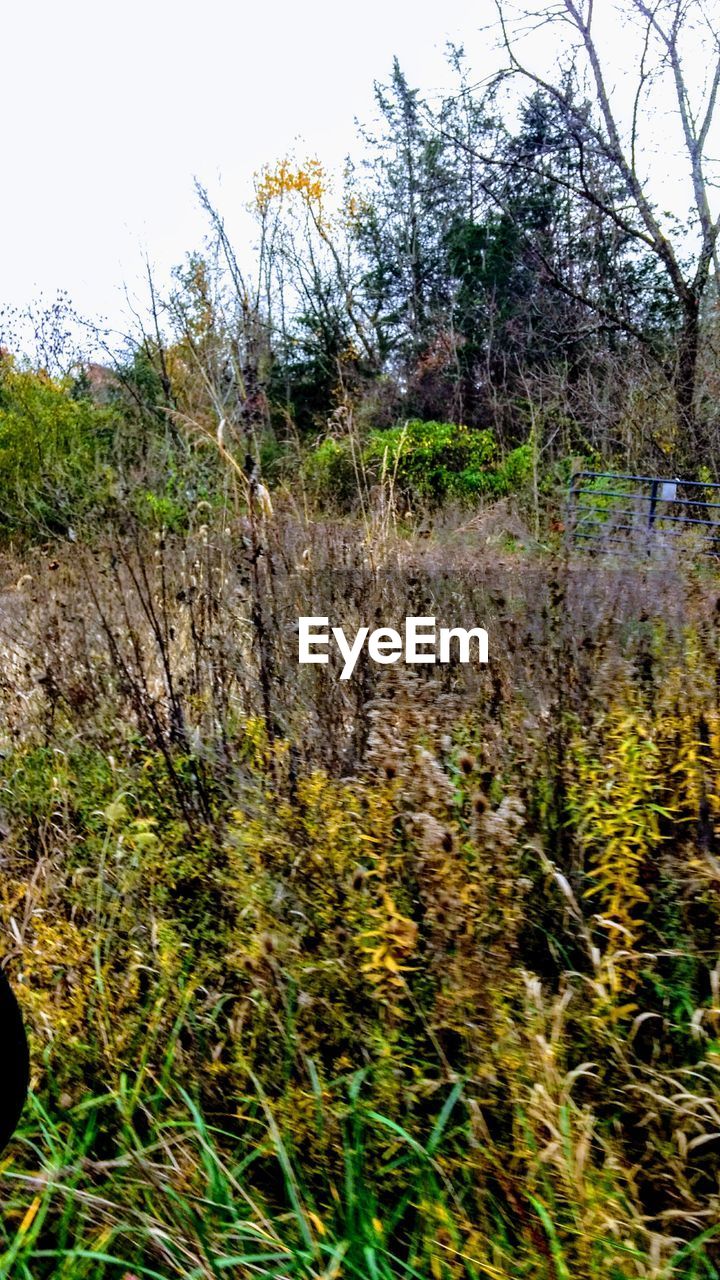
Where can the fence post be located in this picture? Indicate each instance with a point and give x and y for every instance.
(653, 503)
(570, 512)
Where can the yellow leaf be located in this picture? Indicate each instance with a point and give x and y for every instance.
(29, 1218)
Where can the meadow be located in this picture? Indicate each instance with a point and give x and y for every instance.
(411, 975)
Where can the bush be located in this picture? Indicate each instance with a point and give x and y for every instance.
(432, 461)
(55, 453)
(160, 510)
(435, 460)
(329, 473)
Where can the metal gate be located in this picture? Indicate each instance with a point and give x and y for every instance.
(609, 510)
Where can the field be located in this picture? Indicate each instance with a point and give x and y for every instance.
(361, 970)
(413, 975)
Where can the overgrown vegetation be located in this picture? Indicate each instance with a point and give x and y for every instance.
(412, 976)
(57, 452)
(415, 975)
(427, 462)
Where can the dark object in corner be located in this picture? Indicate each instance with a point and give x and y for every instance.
(14, 1062)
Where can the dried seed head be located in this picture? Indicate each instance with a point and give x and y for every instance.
(479, 802)
(467, 763)
(448, 842)
(359, 878)
(430, 832)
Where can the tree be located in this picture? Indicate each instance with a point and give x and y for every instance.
(664, 31)
(322, 322)
(526, 265)
(407, 202)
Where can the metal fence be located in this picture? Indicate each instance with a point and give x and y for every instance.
(611, 511)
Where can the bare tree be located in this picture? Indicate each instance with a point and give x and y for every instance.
(665, 32)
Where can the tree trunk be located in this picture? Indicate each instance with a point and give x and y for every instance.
(685, 381)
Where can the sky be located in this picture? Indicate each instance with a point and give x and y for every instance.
(111, 111)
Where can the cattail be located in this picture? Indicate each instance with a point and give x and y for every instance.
(479, 803)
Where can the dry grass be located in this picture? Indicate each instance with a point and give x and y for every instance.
(415, 975)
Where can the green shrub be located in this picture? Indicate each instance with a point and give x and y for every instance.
(432, 461)
(160, 510)
(516, 469)
(435, 460)
(56, 453)
(329, 473)
(603, 501)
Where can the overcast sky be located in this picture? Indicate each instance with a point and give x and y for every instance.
(110, 111)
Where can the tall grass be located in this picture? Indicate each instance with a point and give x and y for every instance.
(413, 976)
(178, 1201)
